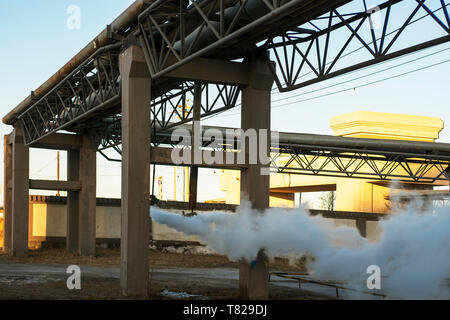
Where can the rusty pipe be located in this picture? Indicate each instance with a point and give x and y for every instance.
(126, 19)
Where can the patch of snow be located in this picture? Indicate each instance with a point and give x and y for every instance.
(181, 295)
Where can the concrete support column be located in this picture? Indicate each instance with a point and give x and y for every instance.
(193, 179)
(136, 223)
(7, 193)
(87, 196)
(361, 225)
(20, 186)
(73, 174)
(255, 180)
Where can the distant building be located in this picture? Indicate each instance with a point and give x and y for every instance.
(359, 195)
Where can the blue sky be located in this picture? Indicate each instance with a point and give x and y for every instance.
(35, 43)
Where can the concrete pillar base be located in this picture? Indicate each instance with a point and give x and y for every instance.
(254, 278)
(361, 225)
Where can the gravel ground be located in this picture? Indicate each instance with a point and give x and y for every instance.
(42, 275)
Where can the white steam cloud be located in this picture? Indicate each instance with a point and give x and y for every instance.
(413, 252)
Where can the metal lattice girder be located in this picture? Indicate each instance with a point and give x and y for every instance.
(300, 34)
(323, 162)
(323, 155)
(92, 86)
(175, 32)
(174, 108)
(316, 50)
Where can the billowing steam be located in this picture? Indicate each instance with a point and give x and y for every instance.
(413, 252)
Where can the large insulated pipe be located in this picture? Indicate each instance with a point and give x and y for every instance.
(126, 19)
(252, 9)
(327, 141)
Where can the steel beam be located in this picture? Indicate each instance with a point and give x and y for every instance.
(310, 53)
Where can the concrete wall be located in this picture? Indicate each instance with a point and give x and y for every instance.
(48, 220)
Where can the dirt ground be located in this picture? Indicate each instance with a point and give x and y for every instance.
(173, 272)
(157, 259)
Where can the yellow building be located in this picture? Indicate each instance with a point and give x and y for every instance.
(359, 195)
(47, 223)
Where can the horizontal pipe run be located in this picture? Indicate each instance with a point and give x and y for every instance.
(125, 20)
(286, 8)
(111, 102)
(306, 140)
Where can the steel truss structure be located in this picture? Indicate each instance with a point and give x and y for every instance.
(307, 53)
(364, 165)
(173, 109)
(175, 32)
(322, 155)
(304, 37)
(92, 87)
